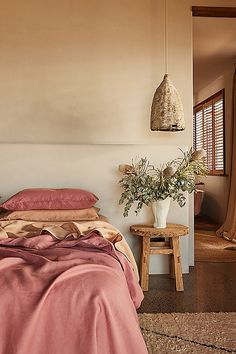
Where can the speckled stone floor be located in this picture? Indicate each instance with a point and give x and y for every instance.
(209, 287)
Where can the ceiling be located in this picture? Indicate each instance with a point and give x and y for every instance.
(214, 48)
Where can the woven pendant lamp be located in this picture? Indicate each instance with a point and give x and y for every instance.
(167, 109)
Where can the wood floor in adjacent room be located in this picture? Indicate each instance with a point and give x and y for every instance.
(209, 287)
(208, 246)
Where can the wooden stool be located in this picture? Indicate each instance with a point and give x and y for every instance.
(170, 247)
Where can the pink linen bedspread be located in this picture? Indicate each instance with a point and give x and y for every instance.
(67, 297)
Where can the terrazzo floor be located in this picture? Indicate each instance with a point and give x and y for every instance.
(209, 287)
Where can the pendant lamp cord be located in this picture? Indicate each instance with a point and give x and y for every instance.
(166, 39)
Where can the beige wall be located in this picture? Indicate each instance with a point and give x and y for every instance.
(213, 3)
(85, 71)
(95, 168)
(76, 72)
(216, 188)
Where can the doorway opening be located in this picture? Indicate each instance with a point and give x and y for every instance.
(214, 58)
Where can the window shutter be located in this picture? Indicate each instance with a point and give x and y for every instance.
(208, 138)
(199, 130)
(208, 131)
(194, 131)
(218, 113)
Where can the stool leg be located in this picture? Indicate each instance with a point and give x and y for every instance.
(177, 264)
(171, 262)
(144, 263)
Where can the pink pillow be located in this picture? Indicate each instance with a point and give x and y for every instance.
(44, 198)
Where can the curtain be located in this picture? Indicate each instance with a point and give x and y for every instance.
(228, 229)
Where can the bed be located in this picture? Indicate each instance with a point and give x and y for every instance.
(67, 287)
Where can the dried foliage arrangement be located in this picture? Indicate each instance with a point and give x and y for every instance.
(144, 184)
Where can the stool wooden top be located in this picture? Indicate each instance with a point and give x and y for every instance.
(172, 230)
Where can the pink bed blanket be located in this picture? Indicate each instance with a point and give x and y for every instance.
(67, 297)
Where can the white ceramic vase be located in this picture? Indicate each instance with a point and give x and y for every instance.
(160, 210)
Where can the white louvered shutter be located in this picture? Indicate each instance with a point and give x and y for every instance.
(208, 132)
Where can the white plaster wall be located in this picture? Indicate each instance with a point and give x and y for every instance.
(92, 167)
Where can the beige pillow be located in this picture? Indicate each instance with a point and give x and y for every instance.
(53, 215)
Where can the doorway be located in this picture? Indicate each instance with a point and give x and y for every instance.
(214, 57)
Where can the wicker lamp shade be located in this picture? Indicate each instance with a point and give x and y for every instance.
(167, 110)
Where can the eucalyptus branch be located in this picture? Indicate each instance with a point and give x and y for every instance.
(143, 183)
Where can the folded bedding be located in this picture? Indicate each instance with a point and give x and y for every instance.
(67, 288)
(52, 215)
(22, 228)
